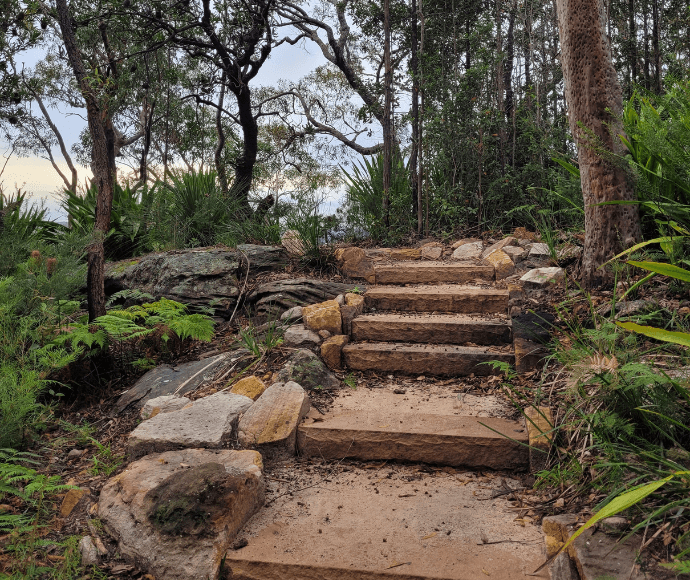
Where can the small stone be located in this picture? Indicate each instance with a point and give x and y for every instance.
(74, 453)
(399, 391)
(542, 276)
(292, 314)
(516, 253)
(164, 404)
(355, 300)
(431, 253)
(509, 241)
(293, 244)
(252, 387)
(462, 242)
(501, 262)
(89, 552)
(348, 314)
(71, 500)
(323, 316)
(325, 334)
(297, 336)
(340, 299)
(331, 351)
(560, 502)
(273, 419)
(469, 251)
(539, 250)
(568, 253)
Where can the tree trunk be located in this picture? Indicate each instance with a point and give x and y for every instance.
(655, 46)
(633, 46)
(218, 153)
(102, 164)
(594, 101)
(414, 66)
(244, 171)
(387, 101)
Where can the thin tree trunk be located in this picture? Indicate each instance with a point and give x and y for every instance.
(244, 169)
(102, 164)
(500, 102)
(218, 153)
(655, 46)
(632, 46)
(420, 135)
(594, 101)
(414, 66)
(387, 132)
(645, 30)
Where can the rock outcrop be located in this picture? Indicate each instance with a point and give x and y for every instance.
(201, 277)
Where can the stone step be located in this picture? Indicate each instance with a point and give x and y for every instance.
(420, 437)
(423, 359)
(444, 298)
(432, 272)
(431, 328)
(392, 522)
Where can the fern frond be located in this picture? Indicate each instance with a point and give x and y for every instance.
(196, 326)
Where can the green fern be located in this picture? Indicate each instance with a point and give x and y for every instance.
(196, 326)
(118, 325)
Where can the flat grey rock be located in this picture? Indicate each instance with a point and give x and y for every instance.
(469, 251)
(176, 380)
(293, 314)
(208, 423)
(542, 276)
(298, 336)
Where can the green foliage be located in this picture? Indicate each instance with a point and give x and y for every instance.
(261, 340)
(364, 200)
(128, 233)
(105, 461)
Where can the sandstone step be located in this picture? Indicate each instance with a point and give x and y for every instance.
(431, 328)
(420, 359)
(432, 272)
(427, 438)
(445, 298)
(397, 522)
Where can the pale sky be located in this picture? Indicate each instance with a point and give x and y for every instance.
(38, 177)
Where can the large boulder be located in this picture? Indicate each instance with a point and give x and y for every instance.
(307, 369)
(209, 423)
(201, 277)
(181, 379)
(175, 514)
(273, 298)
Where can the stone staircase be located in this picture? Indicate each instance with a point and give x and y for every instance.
(426, 325)
(442, 319)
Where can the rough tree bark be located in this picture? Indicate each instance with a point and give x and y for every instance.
(102, 163)
(594, 100)
(414, 69)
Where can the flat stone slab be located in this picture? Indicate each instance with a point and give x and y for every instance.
(393, 523)
(208, 423)
(273, 419)
(419, 359)
(458, 299)
(175, 380)
(431, 328)
(432, 273)
(164, 404)
(175, 514)
(427, 438)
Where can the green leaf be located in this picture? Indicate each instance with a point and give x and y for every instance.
(663, 269)
(682, 338)
(641, 245)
